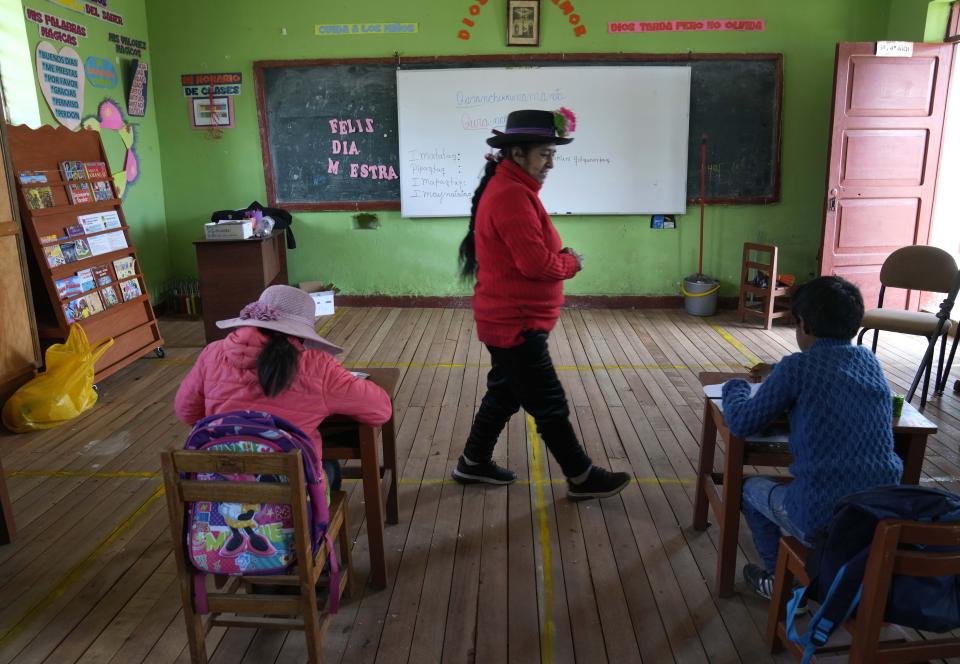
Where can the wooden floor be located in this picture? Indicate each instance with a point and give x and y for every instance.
(480, 574)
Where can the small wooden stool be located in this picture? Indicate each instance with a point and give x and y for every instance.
(750, 276)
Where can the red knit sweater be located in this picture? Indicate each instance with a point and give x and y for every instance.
(521, 270)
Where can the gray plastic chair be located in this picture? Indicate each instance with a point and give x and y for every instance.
(918, 268)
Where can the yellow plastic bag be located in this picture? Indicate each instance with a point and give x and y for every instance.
(61, 392)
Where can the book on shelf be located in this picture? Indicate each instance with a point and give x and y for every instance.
(87, 282)
(79, 193)
(38, 197)
(32, 177)
(73, 230)
(109, 295)
(96, 169)
(91, 223)
(49, 239)
(107, 242)
(102, 274)
(83, 307)
(111, 219)
(69, 252)
(68, 287)
(54, 255)
(82, 248)
(102, 191)
(130, 289)
(124, 267)
(73, 170)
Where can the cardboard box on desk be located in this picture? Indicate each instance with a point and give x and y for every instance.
(239, 229)
(322, 299)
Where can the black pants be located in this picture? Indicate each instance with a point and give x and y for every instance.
(524, 376)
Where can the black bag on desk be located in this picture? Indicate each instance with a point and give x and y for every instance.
(282, 219)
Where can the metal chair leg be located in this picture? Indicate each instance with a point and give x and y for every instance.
(922, 370)
(946, 372)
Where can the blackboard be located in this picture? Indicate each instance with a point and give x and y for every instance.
(735, 99)
(329, 134)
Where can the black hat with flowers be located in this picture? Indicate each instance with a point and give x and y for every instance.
(533, 126)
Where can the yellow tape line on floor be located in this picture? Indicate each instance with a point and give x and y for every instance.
(538, 472)
(730, 339)
(147, 474)
(480, 365)
(75, 572)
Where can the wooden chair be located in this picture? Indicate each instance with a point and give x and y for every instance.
(751, 268)
(916, 268)
(885, 560)
(228, 607)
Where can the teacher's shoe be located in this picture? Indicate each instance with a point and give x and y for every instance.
(600, 483)
(482, 473)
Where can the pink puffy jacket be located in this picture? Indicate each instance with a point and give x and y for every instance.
(225, 378)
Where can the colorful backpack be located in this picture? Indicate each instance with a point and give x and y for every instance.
(245, 539)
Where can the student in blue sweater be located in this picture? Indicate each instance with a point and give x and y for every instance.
(839, 408)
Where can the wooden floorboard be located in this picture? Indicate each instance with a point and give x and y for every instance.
(512, 574)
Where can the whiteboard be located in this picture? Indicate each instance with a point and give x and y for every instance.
(629, 154)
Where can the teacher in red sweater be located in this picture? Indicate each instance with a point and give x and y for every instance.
(514, 253)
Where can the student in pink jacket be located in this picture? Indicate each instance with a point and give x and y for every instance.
(275, 361)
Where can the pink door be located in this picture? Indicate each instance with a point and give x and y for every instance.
(888, 115)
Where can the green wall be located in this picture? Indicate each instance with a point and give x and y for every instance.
(918, 20)
(16, 67)
(143, 203)
(623, 255)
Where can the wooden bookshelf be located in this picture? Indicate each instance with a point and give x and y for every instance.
(130, 323)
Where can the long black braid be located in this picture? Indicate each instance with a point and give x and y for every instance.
(468, 248)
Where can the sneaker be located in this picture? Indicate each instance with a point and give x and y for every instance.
(600, 483)
(761, 582)
(482, 473)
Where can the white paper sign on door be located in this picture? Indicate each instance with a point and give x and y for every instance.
(894, 49)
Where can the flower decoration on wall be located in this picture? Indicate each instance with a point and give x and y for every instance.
(564, 121)
(109, 117)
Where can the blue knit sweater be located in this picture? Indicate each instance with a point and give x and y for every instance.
(841, 434)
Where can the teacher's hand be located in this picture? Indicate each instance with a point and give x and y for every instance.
(579, 257)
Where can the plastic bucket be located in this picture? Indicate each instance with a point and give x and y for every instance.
(700, 295)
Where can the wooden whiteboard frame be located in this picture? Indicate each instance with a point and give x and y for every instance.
(528, 59)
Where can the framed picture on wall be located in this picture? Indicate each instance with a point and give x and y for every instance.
(211, 112)
(523, 22)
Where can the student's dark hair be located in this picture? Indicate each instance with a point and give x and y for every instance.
(468, 248)
(277, 364)
(830, 307)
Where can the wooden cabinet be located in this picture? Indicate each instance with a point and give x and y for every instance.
(233, 273)
(19, 348)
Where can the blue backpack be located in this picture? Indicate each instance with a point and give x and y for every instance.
(238, 539)
(838, 560)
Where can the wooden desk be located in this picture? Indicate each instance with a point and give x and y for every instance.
(344, 438)
(233, 273)
(723, 491)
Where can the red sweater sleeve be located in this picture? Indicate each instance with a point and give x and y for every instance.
(362, 400)
(520, 227)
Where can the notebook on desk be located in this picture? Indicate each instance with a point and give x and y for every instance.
(716, 391)
(772, 435)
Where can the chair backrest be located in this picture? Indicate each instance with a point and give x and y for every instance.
(289, 489)
(753, 255)
(921, 268)
(900, 552)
